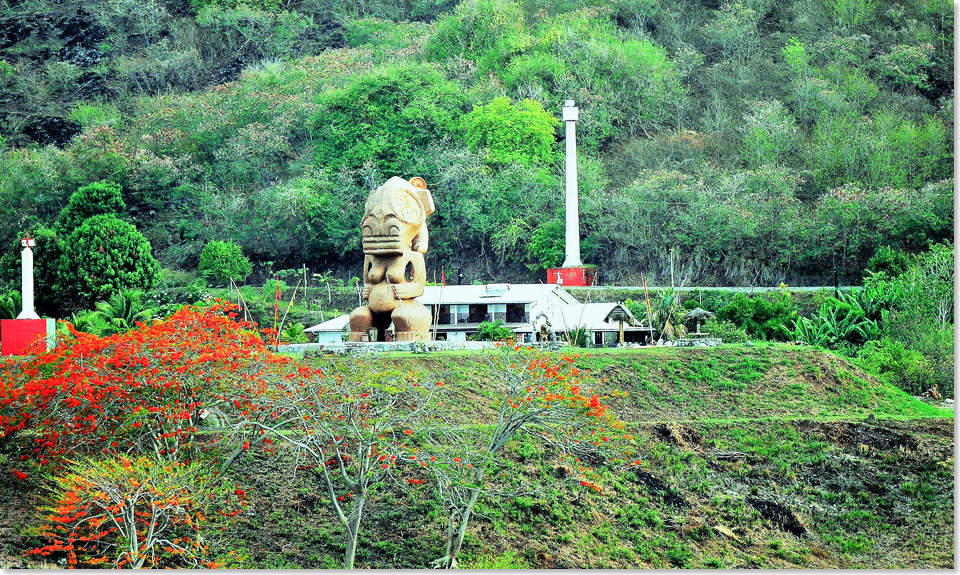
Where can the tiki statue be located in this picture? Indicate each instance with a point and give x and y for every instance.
(394, 240)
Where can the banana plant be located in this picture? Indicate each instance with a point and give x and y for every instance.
(828, 327)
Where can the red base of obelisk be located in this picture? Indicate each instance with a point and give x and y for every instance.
(26, 336)
(572, 277)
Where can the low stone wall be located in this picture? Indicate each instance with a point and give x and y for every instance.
(372, 347)
(699, 342)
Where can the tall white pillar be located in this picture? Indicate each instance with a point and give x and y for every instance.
(572, 244)
(26, 294)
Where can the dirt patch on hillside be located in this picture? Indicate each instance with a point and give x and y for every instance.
(660, 489)
(781, 515)
(917, 440)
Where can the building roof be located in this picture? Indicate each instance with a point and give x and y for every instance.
(337, 324)
(591, 316)
(495, 293)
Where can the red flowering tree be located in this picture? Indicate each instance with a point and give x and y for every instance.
(354, 425)
(135, 513)
(544, 395)
(146, 391)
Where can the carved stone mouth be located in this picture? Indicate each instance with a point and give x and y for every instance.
(382, 245)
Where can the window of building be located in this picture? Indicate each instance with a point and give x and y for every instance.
(459, 313)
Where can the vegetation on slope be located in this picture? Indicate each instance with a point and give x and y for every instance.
(771, 456)
(761, 141)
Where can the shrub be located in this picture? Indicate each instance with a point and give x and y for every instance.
(888, 261)
(269, 291)
(104, 256)
(540, 68)
(91, 322)
(493, 331)
(504, 134)
(293, 333)
(487, 32)
(223, 261)
(91, 200)
(725, 330)
(122, 313)
(894, 363)
(761, 317)
(10, 305)
(265, 5)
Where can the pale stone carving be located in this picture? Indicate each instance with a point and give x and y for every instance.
(394, 240)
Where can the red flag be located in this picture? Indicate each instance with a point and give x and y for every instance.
(443, 278)
(276, 310)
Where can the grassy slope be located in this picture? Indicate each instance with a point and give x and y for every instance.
(752, 457)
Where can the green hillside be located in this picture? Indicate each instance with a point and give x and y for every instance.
(761, 141)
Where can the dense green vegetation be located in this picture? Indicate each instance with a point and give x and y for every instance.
(739, 143)
(761, 141)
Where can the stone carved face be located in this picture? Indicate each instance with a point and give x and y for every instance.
(395, 217)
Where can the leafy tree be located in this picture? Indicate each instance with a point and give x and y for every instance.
(384, 117)
(852, 13)
(926, 287)
(47, 269)
(197, 362)
(503, 133)
(546, 247)
(357, 427)
(542, 395)
(104, 256)
(769, 134)
(224, 261)
(98, 198)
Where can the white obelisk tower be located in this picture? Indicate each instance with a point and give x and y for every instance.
(572, 244)
(27, 293)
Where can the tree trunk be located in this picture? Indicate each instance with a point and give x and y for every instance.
(455, 537)
(353, 532)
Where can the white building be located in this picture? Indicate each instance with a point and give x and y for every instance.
(459, 310)
(332, 330)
